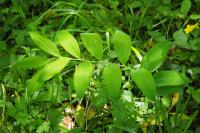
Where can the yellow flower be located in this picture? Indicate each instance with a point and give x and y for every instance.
(190, 28)
(78, 108)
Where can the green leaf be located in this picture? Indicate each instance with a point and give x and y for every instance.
(122, 45)
(112, 78)
(166, 100)
(154, 58)
(195, 70)
(44, 44)
(196, 95)
(93, 43)
(4, 60)
(32, 62)
(82, 78)
(157, 36)
(1, 103)
(185, 7)
(35, 83)
(167, 90)
(195, 44)
(3, 46)
(44, 127)
(53, 68)
(137, 53)
(168, 78)
(145, 82)
(68, 42)
(195, 16)
(181, 39)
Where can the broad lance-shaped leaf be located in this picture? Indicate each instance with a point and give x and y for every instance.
(82, 78)
(32, 62)
(112, 78)
(93, 43)
(122, 45)
(68, 42)
(185, 7)
(54, 67)
(50, 70)
(44, 43)
(169, 78)
(145, 82)
(155, 56)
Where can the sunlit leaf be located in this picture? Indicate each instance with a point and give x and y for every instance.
(166, 100)
(32, 62)
(112, 78)
(54, 67)
(145, 82)
(195, 16)
(68, 42)
(44, 43)
(93, 43)
(137, 53)
(127, 96)
(82, 78)
(153, 120)
(154, 58)
(46, 73)
(175, 99)
(122, 45)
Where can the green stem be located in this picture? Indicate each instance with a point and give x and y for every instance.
(4, 102)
